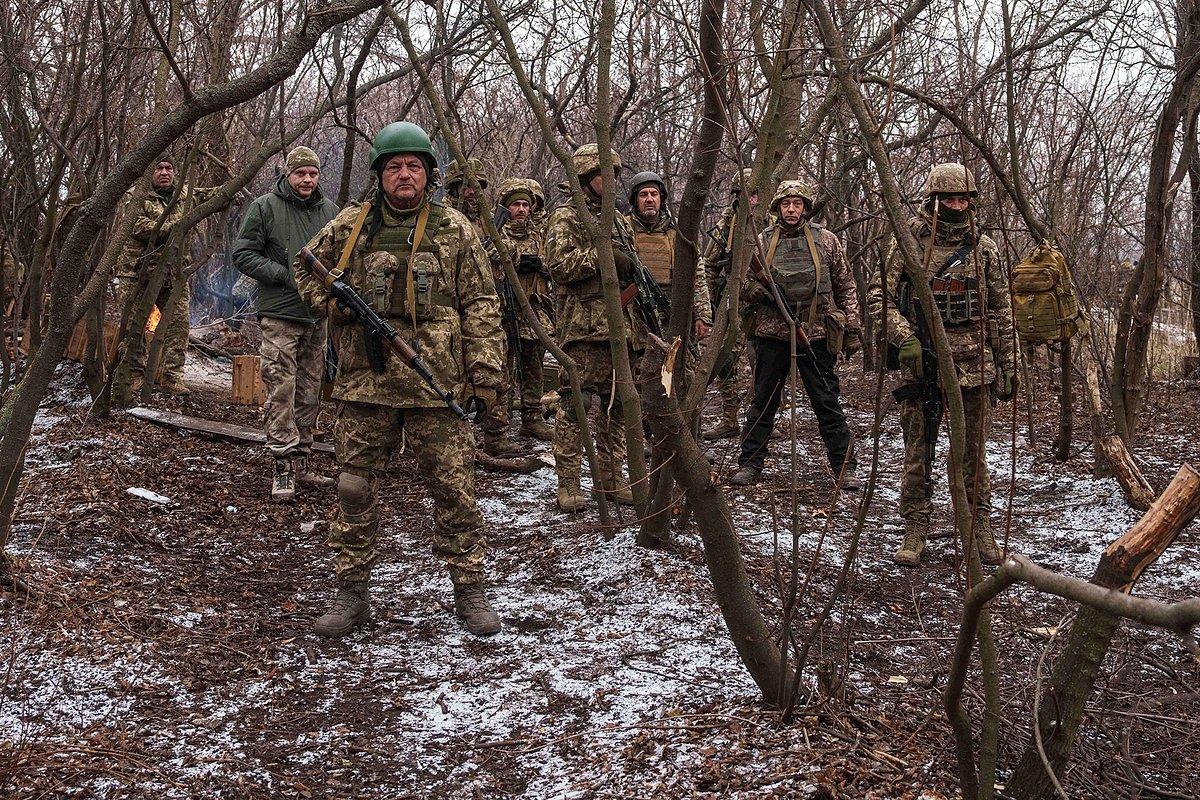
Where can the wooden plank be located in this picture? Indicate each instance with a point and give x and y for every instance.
(224, 430)
(248, 388)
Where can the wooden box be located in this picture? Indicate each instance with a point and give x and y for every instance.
(248, 389)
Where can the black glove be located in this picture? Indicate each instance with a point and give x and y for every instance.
(342, 314)
(622, 263)
(529, 263)
(475, 408)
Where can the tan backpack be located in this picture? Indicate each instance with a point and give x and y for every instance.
(1045, 307)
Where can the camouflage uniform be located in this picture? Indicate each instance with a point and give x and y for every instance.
(13, 279)
(142, 249)
(527, 239)
(454, 183)
(582, 331)
(981, 348)
(457, 331)
(826, 308)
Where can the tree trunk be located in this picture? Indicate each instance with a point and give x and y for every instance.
(1074, 675)
(1066, 402)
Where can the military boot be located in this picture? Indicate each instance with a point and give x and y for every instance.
(534, 427)
(727, 428)
(174, 385)
(570, 496)
(305, 476)
(498, 445)
(745, 476)
(617, 491)
(283, 485)
(915, 533)
(985, 542)
(472, 607)
(351, 608)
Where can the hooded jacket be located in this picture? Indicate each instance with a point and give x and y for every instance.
(275, 227)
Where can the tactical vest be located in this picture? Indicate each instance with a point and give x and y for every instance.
(386, 279)
(956, 289)
(657, 252)
(799, 277)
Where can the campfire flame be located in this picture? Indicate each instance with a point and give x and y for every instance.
(152, 322)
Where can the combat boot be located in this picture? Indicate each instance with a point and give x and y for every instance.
(283, 485)
(727, 428)
(472, 607)
(308, 478)
(617, 491)
(351, 608)
(915, 533)
(745, 476)
(498, 445)
(174, 386)
(534, 427)
(570, 496)
(985, 543)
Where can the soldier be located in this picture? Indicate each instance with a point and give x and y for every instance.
(807, 264)
(718, 262)
(159, 211)
(582, 331)
(422, 267)
(654, 242)
(460, 195)
(520, 202)
(274, 228)
(970, 288)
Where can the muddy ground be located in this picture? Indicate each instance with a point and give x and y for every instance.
(167, 649)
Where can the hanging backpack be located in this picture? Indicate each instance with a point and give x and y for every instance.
(1045, 307)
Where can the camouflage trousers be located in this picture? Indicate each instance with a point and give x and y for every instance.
(727, 382)
(293, 363)
(915, 501)
(364, 436)
(527, 361)
(174, 349)
(594, 362)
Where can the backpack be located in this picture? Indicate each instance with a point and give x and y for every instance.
(1045, 307)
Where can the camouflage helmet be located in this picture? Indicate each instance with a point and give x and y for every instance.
(793, 189)
(528, 186)
(949, 178)
(403, 137)
(644, 179)
(586, 159)
(454, 173)
(741, 179)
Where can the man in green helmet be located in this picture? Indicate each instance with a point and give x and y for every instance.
(582, 331)
(718, 263)
(808, 266)
(970, 289)
(421, 266)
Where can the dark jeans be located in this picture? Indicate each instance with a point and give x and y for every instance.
(824, 394)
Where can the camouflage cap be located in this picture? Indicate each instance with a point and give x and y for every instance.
(299, 157)
(793, 189)
(949, 178)
(454, 173)
(586, 159)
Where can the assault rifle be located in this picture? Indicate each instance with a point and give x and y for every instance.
(376, 327)
(764, 277)
(642, 289)
(508, 304)
(927, 390)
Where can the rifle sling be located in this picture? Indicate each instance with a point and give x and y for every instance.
(348, 248)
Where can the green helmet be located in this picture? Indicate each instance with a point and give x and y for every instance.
(949, 178)
(793, 189)
(403, 137)
(646, 179)
(586, 159)
(454, 173)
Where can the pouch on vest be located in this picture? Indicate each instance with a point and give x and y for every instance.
(379, 273)
(1045, 306)
(835, 330)
(958, 298)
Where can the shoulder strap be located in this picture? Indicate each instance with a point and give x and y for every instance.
(410, 289)
(816, 257)
(355, 231)
(771, 247)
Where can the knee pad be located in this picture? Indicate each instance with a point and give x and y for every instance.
(356, 494)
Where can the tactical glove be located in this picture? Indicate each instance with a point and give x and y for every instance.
(1006, 388)
(529, 263)
(911, 357)
(622, 263)
(341, 314)
(852, 342)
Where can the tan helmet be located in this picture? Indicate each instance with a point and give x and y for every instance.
(513, 186)
(949, 178)
(586, 159)
(741, 179)
(454, 173)
(539, 197)
(793, 189)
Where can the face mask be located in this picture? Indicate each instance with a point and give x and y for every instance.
(951, 216)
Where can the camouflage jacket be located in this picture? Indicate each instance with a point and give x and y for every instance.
(717, 246)
(145, 242)
(664, 230)
(457, 311)
(528, 238)
(838, 305)
(575, 268)
(976, 365)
